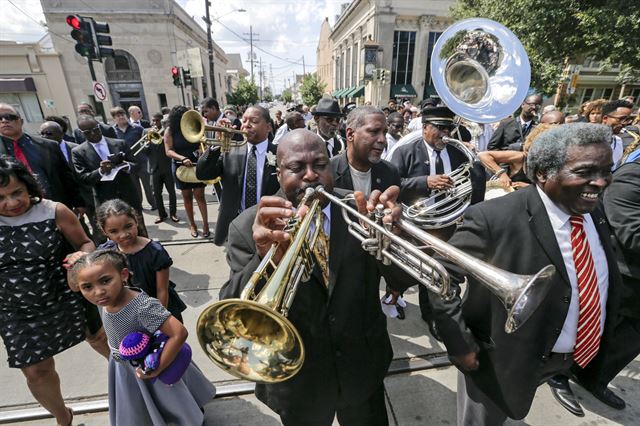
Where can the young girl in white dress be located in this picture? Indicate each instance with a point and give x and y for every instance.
(101, 276)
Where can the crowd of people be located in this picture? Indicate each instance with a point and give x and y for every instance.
(570, 186)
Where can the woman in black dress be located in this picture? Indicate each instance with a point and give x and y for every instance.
(183, 153)
(39, 314)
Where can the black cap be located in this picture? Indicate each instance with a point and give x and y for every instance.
(328, 107)
(437, 115)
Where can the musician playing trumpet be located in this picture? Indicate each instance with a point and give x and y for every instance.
(339, 320)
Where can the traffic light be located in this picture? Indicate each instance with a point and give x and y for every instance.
(83, 35)
(175, 73)
(383, 76)
(186, 77)
(100, 28)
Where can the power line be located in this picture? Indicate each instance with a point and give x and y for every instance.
(39, 23)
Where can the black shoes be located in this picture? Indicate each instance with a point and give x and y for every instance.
(561, 391)
(400, 310)
(608, 397)
(433, 329)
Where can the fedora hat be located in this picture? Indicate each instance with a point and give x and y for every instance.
(438, 115)
(328, 107)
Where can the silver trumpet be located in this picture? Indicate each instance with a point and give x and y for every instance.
(520, 294)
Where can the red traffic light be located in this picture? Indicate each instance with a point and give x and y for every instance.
(175, 71)
(74, 21)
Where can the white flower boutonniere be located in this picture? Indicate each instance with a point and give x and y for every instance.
(271, 158)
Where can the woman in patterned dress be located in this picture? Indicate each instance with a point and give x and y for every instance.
(39, 314)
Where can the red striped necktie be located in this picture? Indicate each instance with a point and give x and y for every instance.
(588, 334)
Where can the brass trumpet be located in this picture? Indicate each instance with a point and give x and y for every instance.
(151, 137)
(193, 129)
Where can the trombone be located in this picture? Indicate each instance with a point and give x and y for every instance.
(251, 337)
(193, 128)
(151, 137)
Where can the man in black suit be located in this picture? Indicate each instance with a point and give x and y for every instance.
(135, 117)
(327, 117)
(247, 172)
(86, 109)
(424, 166)
(622, 207)
(512, 131)
(553, 221)
(161, 175)
(96, 157)
(41, 156)
(347, 347)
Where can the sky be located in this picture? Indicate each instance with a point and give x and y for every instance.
(285, 30)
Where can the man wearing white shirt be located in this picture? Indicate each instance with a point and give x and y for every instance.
(135, 117)
(555, 221)
(247, 172)
(293, 120)
(512, 132)
(395, 128)
(327, 117)
(617, 115)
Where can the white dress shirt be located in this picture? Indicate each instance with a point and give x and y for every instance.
(562, 230)
(444, 155)
(391, 141)
(415, 124)
(261, 155)
(282, 130)
(617, 148)
(63, 148)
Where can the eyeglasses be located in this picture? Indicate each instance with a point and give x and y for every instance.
(46, 133)
(94, 130)
(442, 127)
(622, 119)
(9, 117)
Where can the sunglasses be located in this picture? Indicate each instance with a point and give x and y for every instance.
(622, 119)
(9, 117)
(46, 133)
(94, 130)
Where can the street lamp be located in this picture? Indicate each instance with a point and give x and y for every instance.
(207, 19)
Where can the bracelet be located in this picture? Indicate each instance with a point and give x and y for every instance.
(499, 173)
(182, 161)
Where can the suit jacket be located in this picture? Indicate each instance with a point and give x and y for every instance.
(383, 175)
(339, 145)
(145, 124)
(508, 132)
(230, 168)
(622, 206)
(86, 162)
(107, 132)
(58, 173)
(413, 163)
(344, 331)
(513, 233)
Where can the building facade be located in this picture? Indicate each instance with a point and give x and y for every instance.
(235, 71)
(394, 36)
(324, 57)
(149, 38)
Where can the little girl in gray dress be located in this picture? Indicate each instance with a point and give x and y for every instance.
(133, 398)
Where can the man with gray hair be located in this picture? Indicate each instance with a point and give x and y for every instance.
(555, 222)
(293, 120)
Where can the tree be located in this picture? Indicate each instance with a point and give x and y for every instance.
(312, 89)
(246, 93)
(267, 96)
(286, 96)
(558, 32)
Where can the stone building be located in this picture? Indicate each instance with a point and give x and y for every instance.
(324, 56)
(392, 35)
(33, 81)
(235, 70)
(149, 37)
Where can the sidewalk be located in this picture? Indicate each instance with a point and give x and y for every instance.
(424, 397)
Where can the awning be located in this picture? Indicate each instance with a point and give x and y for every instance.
(336, 93)
(343, 93)
(15, 85)
(403, 91)
(356, 92)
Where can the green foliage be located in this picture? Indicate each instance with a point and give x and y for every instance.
(267, 96)
(286, 96)
(312, 89)
(553, 32)
(246, 93)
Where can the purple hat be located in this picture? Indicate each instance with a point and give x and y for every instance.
(135, 345)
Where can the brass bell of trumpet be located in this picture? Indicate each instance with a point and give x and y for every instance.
(151, 137)
(193, 129)
(251, 337)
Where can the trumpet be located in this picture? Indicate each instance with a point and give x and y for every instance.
(151, 137)
(251, 337)
(193, 129)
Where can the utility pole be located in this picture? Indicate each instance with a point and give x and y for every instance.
(304, 69)
(212, 78)
(261, 81)
(251, 34)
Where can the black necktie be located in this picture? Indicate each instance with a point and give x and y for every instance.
(252, 179)
(525, 130)
(439, 164)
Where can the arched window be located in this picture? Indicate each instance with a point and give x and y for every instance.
(122, 67)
